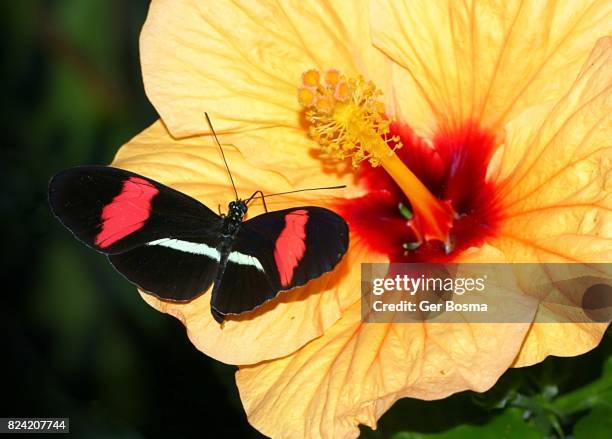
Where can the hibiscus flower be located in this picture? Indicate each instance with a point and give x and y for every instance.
(479, 130)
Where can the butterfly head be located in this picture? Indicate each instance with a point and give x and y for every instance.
(237, 209)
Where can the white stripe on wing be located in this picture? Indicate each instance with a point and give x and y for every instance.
(242, 259)
(198, 248)
(195, 248)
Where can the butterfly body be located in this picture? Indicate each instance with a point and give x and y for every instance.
(232, 223)
(174, 247)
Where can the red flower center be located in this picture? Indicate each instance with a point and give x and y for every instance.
(454, 170)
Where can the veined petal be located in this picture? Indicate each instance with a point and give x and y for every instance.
(279, 327)
(290, 153)
(555, 174)
(487, 60)
(355, 371)
(559, 339)
(242, 61)
(555, 178)
(486, 254)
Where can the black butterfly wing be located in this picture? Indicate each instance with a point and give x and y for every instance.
(160, 239)
(169, 268)
(112, 210)
(278, 251)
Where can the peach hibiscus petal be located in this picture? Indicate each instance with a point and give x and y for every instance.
(556, 179)
(355, 372)
(559, 339)
(242, 61)
(556, 172)
(281, 326)
(487, 60)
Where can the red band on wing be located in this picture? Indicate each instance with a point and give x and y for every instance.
(290, 246)
(127, 212)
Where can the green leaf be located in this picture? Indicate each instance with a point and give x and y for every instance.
(593, 395)
(509, 424)
(597, 424)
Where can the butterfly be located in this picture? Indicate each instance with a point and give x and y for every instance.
(174, 247)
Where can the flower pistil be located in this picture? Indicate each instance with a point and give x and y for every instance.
(347, 119)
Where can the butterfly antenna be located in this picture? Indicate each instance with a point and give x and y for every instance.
(298, 190)
(222, 153)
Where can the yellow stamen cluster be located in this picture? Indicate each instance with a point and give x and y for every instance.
(346, 118)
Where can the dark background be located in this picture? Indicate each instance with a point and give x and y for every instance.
(79, 342)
